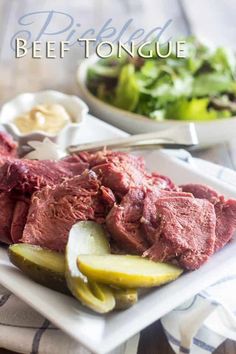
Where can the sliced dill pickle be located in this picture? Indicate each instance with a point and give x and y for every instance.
(41, 265)
(126, 271)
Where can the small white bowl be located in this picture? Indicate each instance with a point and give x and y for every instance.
(209, 132)
(23, 103)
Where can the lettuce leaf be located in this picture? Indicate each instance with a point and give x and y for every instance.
(127, 90)
(195, 109)
(210, 84)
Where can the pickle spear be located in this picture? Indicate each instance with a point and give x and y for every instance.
(43, 266)
(125, 298)
(87, 237)
(127, 271)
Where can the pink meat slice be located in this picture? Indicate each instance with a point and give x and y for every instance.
(54, 210)
(27, 176)
(225, 212)
(225, 222)
(186, 231)
(100, 157)
(123, 222)
(202, 191)
(120, 171)
(150, 220)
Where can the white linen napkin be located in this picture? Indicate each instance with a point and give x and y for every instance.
(24, 330)
(198, 326)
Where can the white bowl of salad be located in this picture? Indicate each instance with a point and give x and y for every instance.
(141, 95)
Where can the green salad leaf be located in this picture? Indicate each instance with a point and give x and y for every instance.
(127, 90)
(211, 84)
(196, 108)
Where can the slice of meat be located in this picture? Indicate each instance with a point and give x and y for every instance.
(225, 212)
(8, 147)
(54, 210)
(123, 222)
(202, 191)
(7, 205)
(187, 231)
(118, 158)
(225, 222)
(27, 176)
(119, 171)
(19, 219)
(150, 220)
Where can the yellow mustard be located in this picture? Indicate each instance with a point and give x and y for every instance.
(49, 118)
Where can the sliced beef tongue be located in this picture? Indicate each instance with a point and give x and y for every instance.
(202, 192)
(123, 222)
(117, 158)
(27, 176)
(55, 209)
(225, 222)
(186, 231)
(120, 171)
(225, 212)
(20, 178)
(164, 225)
(150, 219)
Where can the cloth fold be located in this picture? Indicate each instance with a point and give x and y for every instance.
(198, 326)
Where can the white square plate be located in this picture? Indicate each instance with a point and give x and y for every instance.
(103, 333)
